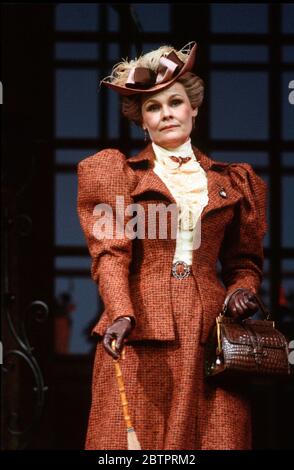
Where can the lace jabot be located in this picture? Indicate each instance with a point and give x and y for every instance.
(188, 185)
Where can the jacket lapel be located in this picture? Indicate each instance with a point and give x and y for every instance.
(148, 179)
(220, 191)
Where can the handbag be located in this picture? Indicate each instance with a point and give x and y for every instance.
(246, 347)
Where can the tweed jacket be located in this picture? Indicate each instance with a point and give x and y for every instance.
(133, 275)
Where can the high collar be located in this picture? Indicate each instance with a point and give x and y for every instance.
(184, 150)
(148, 154)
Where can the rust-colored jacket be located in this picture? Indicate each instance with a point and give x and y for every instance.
(134, 275)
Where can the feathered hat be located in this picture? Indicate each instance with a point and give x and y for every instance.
(153, 71)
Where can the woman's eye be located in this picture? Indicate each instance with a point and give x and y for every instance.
(155, 107)
(176, 102)
(152, 107)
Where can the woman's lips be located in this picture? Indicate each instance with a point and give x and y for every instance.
(168, 127)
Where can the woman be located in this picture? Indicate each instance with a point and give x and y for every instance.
(162, 293)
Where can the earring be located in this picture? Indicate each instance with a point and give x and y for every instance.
(193, 122)
(145, 135)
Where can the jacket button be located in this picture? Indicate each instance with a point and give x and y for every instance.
(223, 193)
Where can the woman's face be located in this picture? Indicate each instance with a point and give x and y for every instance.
(167, 116)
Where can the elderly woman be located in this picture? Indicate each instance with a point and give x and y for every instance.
(157, 277)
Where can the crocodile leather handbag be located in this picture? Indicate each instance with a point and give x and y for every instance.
(246, 347)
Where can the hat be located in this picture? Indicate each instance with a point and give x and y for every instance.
(146, 74)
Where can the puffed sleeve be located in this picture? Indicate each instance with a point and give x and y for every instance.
(103, 179)
(242, 248)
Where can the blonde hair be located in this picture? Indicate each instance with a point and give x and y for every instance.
(132, 105)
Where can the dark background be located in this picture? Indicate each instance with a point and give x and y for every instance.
(53, 115)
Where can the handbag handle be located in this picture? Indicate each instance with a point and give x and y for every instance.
(260, 303)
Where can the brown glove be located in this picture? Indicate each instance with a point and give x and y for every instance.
(242, 304)
(119, 330)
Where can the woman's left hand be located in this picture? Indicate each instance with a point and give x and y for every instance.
(242, 304)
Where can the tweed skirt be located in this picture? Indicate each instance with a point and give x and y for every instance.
(170, 404)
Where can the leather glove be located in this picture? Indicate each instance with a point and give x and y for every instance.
(119, 330)
(242, 304)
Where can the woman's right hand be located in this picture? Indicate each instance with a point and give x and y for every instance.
(242, 304)
(118, 331)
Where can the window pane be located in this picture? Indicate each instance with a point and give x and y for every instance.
(288, 286)
(288, 54)
(67, 227)
(288, 18)
(112, 19)
(239, 105)
(77, 50)
(72, 156)
(152, 17)
(288, 159)
(266, 265)
(253, 158)
(113, 53)
(76, 262)
(113, 114)
(149, 46)
(288, 108)
(77, 308)
(286, 314)
(76, 103)
(238, 53)
(266, 240)
(288, 264)
(232, 18)
(288, 219)
(134, 151)
(146, 47)
(265, 291)
(76, 17)
(137, 132)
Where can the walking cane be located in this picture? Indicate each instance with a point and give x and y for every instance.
(133, 443)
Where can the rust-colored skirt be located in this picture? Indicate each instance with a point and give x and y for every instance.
(171, 405)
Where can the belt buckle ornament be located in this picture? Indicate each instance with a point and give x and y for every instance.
(183, 273)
